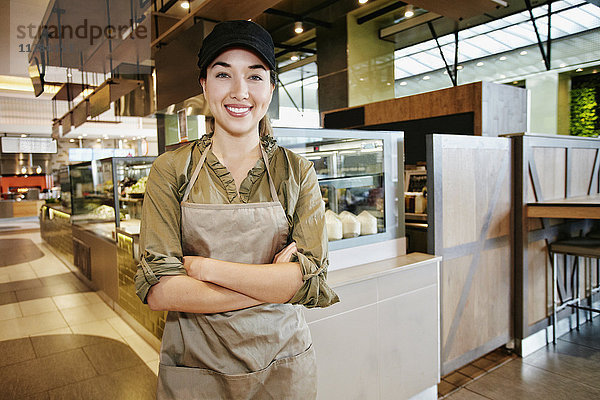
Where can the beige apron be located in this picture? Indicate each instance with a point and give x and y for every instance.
(261, 352)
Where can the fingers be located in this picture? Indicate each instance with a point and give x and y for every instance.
(285, 255)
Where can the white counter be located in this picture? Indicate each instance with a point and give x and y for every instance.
(382, 340)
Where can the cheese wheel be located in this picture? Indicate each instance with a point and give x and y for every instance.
(350, 224)
(334, 226)
(368, 223)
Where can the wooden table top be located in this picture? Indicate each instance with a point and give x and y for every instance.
(582, 207)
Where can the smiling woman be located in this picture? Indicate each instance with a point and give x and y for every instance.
(234, 240)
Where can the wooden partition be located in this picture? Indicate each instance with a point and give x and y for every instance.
(547, 168)
(470, 225)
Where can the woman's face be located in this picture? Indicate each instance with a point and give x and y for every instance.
(238, 90)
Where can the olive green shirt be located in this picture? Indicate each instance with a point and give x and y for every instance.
(297, 187)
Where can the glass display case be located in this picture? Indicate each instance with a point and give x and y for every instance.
(104, 206)
(64, 180)
(361, 179)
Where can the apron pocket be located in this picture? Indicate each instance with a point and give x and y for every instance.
(292, 377)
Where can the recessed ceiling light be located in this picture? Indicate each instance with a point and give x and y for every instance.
(298, 28)
(579, 70)
(563, 65)
(502, 58)
(426, 77)
(389, 84)
(595, 71)
(479, 64)
(502, 76)
(79, 137)
(445, 72)
(459, 67)
(362, 1)
(71, 140)
(98, 140)
(523, 52)
(403, 83)
(185, 5)
(515, 82)
(409, 11)
(294, 58)
(23, 135)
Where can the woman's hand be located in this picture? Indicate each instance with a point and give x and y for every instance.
(285, 255)
(194, 266)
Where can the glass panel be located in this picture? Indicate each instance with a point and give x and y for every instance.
(351, 178)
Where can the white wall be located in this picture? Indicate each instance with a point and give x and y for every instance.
(543, 106)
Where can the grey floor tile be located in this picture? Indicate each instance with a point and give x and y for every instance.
(7, 298)
(14, 351)
(20, 285)
(47, 291)
(38, 396)
(42, 374)
(16, 251)
(466, 394)
(45, 345)
(137, 383)
(588, 335)
(516, 380)
(112, 355)
(577, 362)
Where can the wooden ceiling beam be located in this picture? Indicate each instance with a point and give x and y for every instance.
(217, 10)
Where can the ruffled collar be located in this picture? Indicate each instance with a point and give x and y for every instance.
(268, 142)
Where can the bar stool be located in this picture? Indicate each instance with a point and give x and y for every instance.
(585, 248)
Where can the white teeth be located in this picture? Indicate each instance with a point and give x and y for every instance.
(238, 110)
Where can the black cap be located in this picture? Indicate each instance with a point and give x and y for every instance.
(237, 33)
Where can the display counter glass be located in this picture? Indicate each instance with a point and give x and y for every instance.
(360, 180)
(103, 206)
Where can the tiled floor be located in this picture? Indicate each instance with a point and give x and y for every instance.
(58, 339)
(569, 370)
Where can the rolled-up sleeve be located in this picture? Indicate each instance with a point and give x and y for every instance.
(310, 234)
(160, 233)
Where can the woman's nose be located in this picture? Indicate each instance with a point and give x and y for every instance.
(240, 89)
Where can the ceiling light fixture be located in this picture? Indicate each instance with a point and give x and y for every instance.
(459, 67)
(294, 57)
(563, 65)
(71, 140)
(502, 58)
(403, 83)
(523, 52)
(426, 78)
(409, 11)
(479, 64)
(298, 28)
(579, 70)
(362, 1)
(23, 135)
(185, 5)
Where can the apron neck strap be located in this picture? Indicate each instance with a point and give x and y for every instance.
(194, 176)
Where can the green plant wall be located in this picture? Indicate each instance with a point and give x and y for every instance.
(585, 106)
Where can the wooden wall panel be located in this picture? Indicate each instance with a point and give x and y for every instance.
(553, 167)
(504, 108)
(538, 281)
(459, 188)
(472, 225)
(455, 100)
(549, 165)
(581, 165)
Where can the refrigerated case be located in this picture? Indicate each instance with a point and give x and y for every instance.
(101, 205)
(358, 172)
